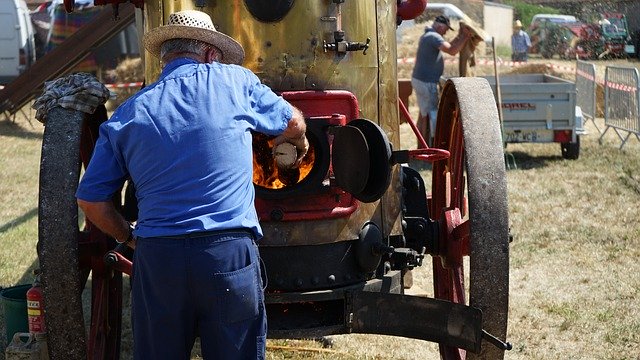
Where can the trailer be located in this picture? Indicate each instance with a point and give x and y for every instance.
(540, 108)
(340, 240)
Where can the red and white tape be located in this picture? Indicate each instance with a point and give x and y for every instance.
(560, 67)
(621, 87)
(490, 62)
(611, 85)
(585, 75)
(123, 85)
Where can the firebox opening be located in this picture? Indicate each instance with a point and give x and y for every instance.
(312, 173)
(266, 173)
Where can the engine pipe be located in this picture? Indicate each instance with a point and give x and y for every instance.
(410, 9)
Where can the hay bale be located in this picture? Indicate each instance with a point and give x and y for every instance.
(129, 70)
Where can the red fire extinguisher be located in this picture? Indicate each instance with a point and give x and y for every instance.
(35, 307)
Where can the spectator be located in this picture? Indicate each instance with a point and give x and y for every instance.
(428, 69)
(520, 43)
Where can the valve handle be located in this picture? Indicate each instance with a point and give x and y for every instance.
(365, 47)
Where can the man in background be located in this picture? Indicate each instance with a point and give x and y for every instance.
(428, 69)
(520, 43)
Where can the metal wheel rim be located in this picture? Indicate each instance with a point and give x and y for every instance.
(468, 127)
(62, 247)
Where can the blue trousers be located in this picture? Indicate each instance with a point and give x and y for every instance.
(207, 286)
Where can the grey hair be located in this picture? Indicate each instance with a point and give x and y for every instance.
(183, 46)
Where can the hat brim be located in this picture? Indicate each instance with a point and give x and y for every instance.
(232, 51)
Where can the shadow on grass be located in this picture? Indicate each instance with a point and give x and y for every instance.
(27, 276)
(525, 161)
(10, 128)
(22, 219)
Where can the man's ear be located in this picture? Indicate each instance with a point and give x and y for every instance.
(213, 54)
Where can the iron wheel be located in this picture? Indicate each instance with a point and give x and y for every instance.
(67, 255)
(469, 201)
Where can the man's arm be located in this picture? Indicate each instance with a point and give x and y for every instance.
(457, 44)
(295, 133)
(104, 215)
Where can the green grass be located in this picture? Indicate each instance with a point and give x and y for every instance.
(525, 11)
(503, 51)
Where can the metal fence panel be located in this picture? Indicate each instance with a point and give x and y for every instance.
(586, 90)
(621, 101)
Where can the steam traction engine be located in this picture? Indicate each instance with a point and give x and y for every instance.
(343, 232)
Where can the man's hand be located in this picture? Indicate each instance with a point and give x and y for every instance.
(301, 143)
(465, 31)
(295, 134)
(104, 215)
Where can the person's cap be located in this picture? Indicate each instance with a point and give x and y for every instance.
(443, 20)
(196, 25)
(517, 24)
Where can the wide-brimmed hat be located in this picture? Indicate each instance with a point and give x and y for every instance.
(197, 25)
(443, 20)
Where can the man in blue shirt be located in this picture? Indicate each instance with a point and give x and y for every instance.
(185, 141)
(520, 43)
(428, 69)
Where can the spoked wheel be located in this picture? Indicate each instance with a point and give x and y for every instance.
(67, 255)
(469, 201)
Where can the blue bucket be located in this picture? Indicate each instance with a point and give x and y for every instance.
(14, 303)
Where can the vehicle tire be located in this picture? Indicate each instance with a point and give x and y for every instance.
(571, 151)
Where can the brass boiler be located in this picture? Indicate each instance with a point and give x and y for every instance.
(289, 54)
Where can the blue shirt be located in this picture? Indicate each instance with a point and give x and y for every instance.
(429, 64)
(520, 42)
(185, 141)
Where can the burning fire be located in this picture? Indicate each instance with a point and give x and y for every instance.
(265, 171)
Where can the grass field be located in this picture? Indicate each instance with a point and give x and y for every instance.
(575, 275)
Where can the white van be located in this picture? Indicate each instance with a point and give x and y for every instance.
(17, 47)
(554, 18)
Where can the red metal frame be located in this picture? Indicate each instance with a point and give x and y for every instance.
(106, 284)
(338, 107)
(448, 207)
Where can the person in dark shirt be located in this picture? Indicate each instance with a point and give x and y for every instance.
(428, 69)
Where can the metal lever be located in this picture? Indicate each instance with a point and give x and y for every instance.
(357, 46)
(495, 341)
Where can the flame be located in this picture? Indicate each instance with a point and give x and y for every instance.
(265, 171)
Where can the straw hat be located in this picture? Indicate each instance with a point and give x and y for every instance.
(197, 25)
(518, 24)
